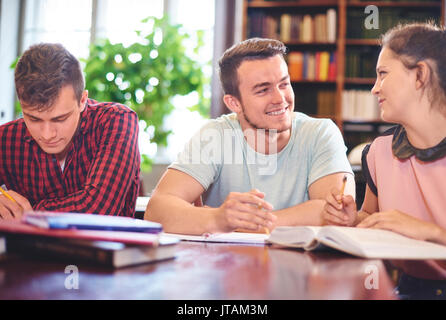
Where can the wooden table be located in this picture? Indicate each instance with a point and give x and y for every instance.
(206, 271)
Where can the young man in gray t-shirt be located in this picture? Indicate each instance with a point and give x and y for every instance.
(260, 167)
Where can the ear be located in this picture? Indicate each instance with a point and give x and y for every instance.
(232, 103)
(423, 74)
(83, 101)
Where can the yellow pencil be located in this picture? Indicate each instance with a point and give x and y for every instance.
(7, 195)
(344, 180)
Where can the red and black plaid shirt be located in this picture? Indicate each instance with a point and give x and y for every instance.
(101, 173)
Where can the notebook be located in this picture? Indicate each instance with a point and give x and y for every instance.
(230, 237)
(366, 243)
(19, 227)
(82, 221)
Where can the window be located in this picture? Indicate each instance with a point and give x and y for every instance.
(74, 23)
(67, 22)
(117, 20)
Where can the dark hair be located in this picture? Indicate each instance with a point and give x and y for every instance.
(251, 49)
(42, 71)
(416, 42)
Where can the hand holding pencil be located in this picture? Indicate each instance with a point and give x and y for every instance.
(340, 209)
(12, 204)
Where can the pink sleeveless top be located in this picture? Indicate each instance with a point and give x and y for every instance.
(395, 173)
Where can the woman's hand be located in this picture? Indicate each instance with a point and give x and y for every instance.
(402, 223)
(339, 209)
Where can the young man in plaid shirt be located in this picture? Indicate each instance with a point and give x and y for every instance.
(68, 153)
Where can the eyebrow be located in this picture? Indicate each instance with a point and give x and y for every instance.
(265, 84)
(54, 118)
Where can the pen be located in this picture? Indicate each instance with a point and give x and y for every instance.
(344, 180)
(6, 194)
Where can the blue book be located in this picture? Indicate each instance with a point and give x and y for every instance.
(83, 221)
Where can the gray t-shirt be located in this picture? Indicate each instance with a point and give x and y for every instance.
(221, 160)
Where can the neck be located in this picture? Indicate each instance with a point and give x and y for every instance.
(267, 141)
(427, 129)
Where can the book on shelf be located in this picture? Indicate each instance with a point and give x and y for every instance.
(388, 18)
(359, 105)
(365, 243)
(307, 29)
(104, 253)
(326, 100)
(295, 65)
(285, 27)
(331, 25)
(360, 62)
(319, 27)
(323, 61)
(319, 66)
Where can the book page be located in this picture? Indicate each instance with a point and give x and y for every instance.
(380, 244)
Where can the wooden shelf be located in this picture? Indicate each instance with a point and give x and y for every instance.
(291, 4)
(314, 82)
(362, 42)
(312, 43)
(332, 117)
(367, 81)
(395, 4)
(377, 122)
(344, 47)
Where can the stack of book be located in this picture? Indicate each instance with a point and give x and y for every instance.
(320, 27)
(388, 17)
(106, 240)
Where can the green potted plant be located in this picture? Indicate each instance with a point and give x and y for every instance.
(146, 75)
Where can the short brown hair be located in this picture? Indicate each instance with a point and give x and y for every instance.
(415, 42)
(251, 49)
(42, 71)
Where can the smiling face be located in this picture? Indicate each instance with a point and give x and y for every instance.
(395, 87)
(266, 96)
(54, 128)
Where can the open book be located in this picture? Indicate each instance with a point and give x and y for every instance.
(366, 243)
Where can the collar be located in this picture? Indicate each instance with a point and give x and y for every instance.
(402, 149)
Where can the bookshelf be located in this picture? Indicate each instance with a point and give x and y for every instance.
(343, 92)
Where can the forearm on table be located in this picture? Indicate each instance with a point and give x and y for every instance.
(361, 215)
(308, 213)
(178, 216)
(437, 235)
